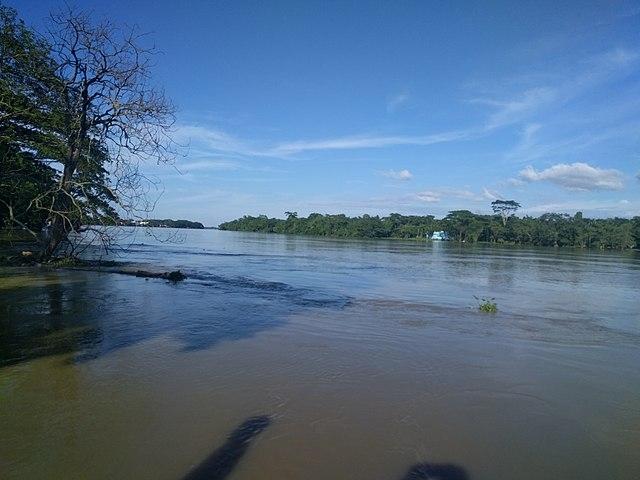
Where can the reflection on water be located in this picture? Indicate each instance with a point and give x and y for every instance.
(91, 314)
(369, 357)
(46, 320)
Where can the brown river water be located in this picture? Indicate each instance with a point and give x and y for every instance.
(287, 357)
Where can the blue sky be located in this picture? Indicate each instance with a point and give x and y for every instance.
(378, 107)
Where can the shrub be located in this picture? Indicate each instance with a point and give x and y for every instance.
(486, 305)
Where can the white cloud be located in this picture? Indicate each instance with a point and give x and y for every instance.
(210, 138)
(433, 196)
(397, 101)
(428, 196)
(204, 141)
(402, 175)
(366, 141)
(576, 176)
(219, 165)
(460, 193)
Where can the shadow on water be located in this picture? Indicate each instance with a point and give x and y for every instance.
(222, 461)
(436, 471)
(90, 314)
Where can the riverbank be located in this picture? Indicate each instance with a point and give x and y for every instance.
(22, 253)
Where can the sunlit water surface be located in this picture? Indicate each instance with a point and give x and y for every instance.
(361, 359)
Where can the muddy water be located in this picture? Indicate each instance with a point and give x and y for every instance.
(296, 358)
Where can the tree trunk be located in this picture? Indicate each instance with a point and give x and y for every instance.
(58, 224)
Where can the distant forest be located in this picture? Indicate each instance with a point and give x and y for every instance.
(166, 223)
(550, 229)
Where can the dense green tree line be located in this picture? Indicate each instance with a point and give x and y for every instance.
(550, 229)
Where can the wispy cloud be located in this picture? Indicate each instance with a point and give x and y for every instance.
(438, 194)
(518, 108)
(367, 141)
(210, 141)
(434, 201)
(222, 165)
(441, 199)
(211, 138)
(576, 176)
(598, 208)
(515, 182)
(397, 101)
(206, 141)
(555, 90)
(618, 57)
(210, 164)
(428, 196)
(491, 194)
(528, 136)
(533, 146)
(402, 175)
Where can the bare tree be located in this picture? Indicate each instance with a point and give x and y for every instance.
(110, 118)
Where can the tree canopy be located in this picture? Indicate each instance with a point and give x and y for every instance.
(550, 229)
(78, 113)
(505, 208)
(27, 105)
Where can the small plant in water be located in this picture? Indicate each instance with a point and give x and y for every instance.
(486, 305)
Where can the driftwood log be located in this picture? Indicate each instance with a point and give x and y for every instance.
(175, 276)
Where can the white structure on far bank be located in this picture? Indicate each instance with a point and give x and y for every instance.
(440, 235)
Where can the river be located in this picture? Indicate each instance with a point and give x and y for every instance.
(284, 357)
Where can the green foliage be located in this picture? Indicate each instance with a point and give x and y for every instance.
(486, 305)
(505, 208)
(35, 128)
(550, 229)
(70, 261)
(28, 106)
(76, 117)
(366, 226)
(464, 226)
(67, 262)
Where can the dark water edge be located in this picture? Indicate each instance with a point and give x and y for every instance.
(284, 357)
